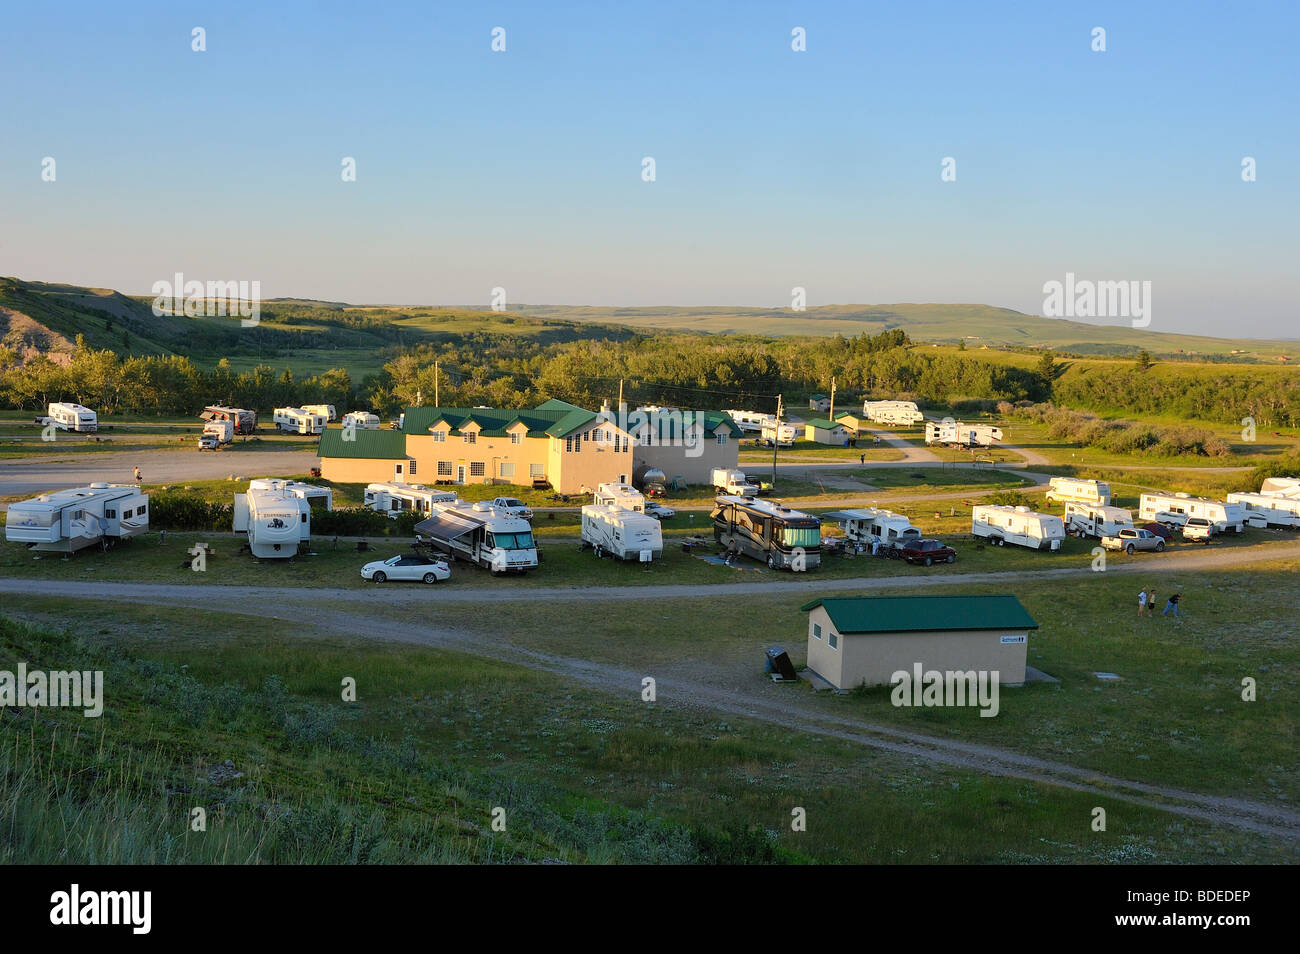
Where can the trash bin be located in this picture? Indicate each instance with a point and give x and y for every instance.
(778, 665)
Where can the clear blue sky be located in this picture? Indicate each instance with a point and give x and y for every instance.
(522, 169)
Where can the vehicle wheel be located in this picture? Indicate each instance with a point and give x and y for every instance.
(999, 542)
(929, 561)
(952, 557)
(1129, 549)
(1160, 546)
(600, 552)
(771, 562)
(431, 578)
(379, 577)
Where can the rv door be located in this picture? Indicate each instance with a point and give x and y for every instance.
(241, 513)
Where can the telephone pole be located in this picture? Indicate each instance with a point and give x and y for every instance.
(435, 384)
(831, 416)
(776, 438)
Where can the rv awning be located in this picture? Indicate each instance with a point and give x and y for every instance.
(447, 526)
(847, 515)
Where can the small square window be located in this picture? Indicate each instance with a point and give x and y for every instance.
(817, 630)
(471, 437)
(516, 438)
(833, 639)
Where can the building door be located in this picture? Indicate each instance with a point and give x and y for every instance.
(397, 473)
(460, 473)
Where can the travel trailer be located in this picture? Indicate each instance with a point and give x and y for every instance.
(957, 434)
(296, 420)
(765, 530)
(895, 413)
(1285, 486)
(1272, 510)
(1095, 520)
(324, 410)
(865, 526)
(479, 533)
(68, 520)
(752, 421)
(1000, 525)
(72, 417)
(1175, 510)
(245, 421)
(317, 497)
(623, 534)
(783, 434)
(1064, 489)
(361, 419)
(614, 494)
(276, 519)
(393, 499)
(732, 482)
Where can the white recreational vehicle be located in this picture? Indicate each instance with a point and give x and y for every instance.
(957, 434)
(215, 433)
(1283, 486)
(393, 499)
(1272, 510)
(1174, 510)
(245, 421)
(1096, 520)
(276, 519)
(1065, 489)
(748, 420)
(296, 420)
(72, 417)
(65, 521)
(479, 533)
(324, 410)
(615, 494)
(317, 497)
(895, 413)
(868, 525)
(361, 419)
(616, 523)
(784, 539)
(1000, 525)
(783, 434)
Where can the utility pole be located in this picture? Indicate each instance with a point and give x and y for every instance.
(831, 416)
(776, 438)
(435, 383)
(620, 402)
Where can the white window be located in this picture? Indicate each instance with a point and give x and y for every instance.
(722, 439)
(410, 469)
(536, 470)
(476, 468)
(507, 470)
(440, 437)
(817, 630)
(444, 468)
(516, 438)
(471, 437)
(833, 639)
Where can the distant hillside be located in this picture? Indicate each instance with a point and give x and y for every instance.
(976, 324)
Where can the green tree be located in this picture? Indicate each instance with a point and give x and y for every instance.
(1144, 360)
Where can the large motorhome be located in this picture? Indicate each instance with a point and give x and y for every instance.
(361, 419)
(782, 538)
(296, 420)
(1001, 524)
(1273, 510)
(783, 434)
(72, 417)
(245, 421)
(480, 533)
(393, 498)
(1096, 520)
(868, 525)
(1285, 486)
(1176, 509)
(895, 413)
(68, 520)
(957, 434)
(324, 410)
(276, 519)
(1065, 489)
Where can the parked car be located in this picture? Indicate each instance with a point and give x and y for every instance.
(1159, 529)
(406, 566)
(1198, 528)
(1130, 540)
(513, 506)
(928, 552)
(658, 510)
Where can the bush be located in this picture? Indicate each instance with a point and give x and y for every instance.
(183, 511)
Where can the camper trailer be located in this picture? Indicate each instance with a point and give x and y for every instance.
(244, 421)
(479, 533)
(765, 530)
(1000, 525)
(1270, 510)
(317, 497)
(893, 413)
(1174, 510)
(361, 419)
(865, 527)
(623, 534)
(65, 521)
(296, 420)
(783, 434)
(1283, 486)
(72, 417)
(1095, 520)
(750, 421)
(393, 499)
(276, 519)
(957, 434)
(1065, 489)
(217, 433)
(615, 494)
(322, 410)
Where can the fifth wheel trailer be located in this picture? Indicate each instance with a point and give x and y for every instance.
(895, 413)
(296, 420)
(72, 417)
(479, 533)
(1176, 509)
(1274, 510)
(276, 519)
(1285, 486)
(1094, 520)
(957, 434)
(65, 521)
(392, 499)
(1021, 526)
(1064, 489)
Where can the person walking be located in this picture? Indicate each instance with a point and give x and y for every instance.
(1172, 605)
(137, 475)
(862, 458)
(1142, 604)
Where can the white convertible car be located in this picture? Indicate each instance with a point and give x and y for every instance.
(406, 566)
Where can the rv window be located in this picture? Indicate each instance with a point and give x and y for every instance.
(304, 518)
(801, 536)
(110, 514)
(512, 541)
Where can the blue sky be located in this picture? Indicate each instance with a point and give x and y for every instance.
(775, 168)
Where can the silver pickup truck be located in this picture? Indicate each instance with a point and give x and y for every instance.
(1131, 540)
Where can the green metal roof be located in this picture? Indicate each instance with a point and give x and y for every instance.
(916, 614)
(823, 423)
(817, 397)
(553, 419)
(710, 420)
(371, 445)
